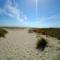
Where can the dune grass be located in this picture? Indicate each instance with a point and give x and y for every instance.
(53, 32)
(3, 32)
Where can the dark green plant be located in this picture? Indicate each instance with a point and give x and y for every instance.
(3, 32)
(41, 44)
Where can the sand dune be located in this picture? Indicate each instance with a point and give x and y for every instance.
(20, 45)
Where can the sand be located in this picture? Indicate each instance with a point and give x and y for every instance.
(21, 45)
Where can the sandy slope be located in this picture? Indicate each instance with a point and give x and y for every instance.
(20, 45)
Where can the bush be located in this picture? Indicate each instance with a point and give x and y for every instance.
(3, 32)
(41, 44)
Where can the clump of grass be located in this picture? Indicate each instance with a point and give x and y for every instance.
(41, 44)
(30, 31)
(3, 32)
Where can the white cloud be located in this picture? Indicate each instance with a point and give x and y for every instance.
(13, 11)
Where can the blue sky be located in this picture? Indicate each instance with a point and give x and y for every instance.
(30, 13)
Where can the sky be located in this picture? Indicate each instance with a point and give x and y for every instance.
(30, 13)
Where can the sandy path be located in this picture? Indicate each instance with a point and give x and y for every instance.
(20, 45)
(17, 45)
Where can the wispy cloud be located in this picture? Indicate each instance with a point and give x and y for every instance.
(47, 21)
(12, 10)
(54, 16)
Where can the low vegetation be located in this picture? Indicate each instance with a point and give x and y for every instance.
(3, 32)
(41, 44)
(54, 32)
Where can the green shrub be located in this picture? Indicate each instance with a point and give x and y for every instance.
(41, 44)
(3, 32)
